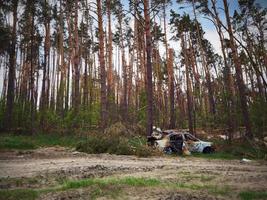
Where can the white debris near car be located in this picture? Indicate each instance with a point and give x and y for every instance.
(265, 141)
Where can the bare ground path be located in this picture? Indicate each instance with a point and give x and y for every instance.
(56, 163)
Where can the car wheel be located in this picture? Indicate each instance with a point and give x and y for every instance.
(168, 150)
(208, 150)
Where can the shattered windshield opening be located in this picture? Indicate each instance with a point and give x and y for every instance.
(190, 138)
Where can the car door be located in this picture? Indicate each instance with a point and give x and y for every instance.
(192, 142)
(176, 142)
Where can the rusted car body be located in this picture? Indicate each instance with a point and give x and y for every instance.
(180, 141)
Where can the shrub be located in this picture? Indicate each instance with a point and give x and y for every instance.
(247, 195)
(104, 144)
(145, 151)
(117, 130)
(115, 144)
(16, 142)
(21, 194)
(258, 113)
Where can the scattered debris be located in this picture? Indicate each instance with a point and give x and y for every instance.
(224, 137)
(244, 160)
(256, 139)
(265, 141)
(186, 152)
(157, 133)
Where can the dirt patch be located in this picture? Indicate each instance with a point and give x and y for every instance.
(46, 167)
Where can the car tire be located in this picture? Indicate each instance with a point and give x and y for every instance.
(168, 150)
(208, 150)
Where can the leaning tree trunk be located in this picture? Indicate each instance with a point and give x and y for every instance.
(205, 65)
(239, 78)
(229, 88)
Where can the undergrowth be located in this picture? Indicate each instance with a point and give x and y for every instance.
(11, 141)
(113, 187)
(22, 194)
(116, 145)
(117, 139)
(249, 195)
(97, 186)
(238, 149)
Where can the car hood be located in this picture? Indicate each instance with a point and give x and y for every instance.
(205, 143)
(198, 146)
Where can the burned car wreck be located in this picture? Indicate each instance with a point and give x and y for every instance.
(170, 141)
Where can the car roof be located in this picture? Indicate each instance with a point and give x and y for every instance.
(173, 133)
(176, 132)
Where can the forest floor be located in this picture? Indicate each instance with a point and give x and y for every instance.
(63, 173)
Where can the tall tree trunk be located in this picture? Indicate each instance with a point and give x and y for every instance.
(102, 65)
(250, 45)
(230, 103)
(53, 82)
(110, 89)
(205, 64)
(43, 98)
(70, 52)
(130, 79)
(61, 67)
(76, 61)
(149, 87)
(85, 88)
(32, 64)
(44, 91)
(239, 78)
(124, 71)
(171, 88)
(188, 85)
(12, 70)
